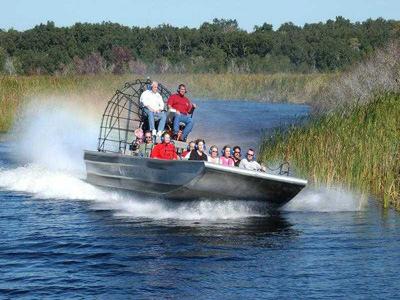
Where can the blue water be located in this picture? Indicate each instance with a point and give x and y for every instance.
(62, 238)
(240, 122)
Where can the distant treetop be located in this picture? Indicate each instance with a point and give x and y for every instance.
(217, 46)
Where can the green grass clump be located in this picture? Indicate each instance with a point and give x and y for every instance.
(358, 147)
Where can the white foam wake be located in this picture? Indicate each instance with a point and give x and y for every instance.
(43, 183)
(53, 134)
(48, 184)
(325, 199)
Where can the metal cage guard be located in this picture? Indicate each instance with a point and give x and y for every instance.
(124, 114)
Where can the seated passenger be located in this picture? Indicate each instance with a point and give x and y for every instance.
(226, 159)
(249, 163)
(145, 149)
(190, 147)
(164, 150)
(237, 157)
(182, 107)
(213, 157)
(198, 152)
(153, 107)
(134, 147)
(139, 135)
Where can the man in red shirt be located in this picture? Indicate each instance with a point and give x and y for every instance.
(165, 150)
(182, 107)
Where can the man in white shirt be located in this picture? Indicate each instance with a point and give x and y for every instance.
(249, 163)
(153, 107)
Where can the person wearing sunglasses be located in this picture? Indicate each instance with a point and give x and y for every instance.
(147, 146)
(213, 157)
(226, 158)
(237, 156)
(249, 163)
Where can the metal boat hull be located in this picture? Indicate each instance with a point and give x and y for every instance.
(188, 180)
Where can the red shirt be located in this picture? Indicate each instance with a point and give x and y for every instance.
(180, 103)
(164, 151)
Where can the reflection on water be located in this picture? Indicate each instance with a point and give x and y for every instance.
(225, 230)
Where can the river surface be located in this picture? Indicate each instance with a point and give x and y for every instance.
(62, 238)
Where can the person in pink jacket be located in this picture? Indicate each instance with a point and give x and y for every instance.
(226, 159)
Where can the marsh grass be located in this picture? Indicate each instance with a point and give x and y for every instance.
(15, 91)
(296, 88)
(357, 147)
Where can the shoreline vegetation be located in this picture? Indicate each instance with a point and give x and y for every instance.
(356, 147)
(15, 91)
(354, 138)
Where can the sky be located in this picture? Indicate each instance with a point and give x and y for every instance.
(25, 14)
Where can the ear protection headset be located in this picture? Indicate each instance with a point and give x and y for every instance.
(188, 146)
(162, 138)
(196, 146)
(223, 150)
(212, 147)
(234, 148)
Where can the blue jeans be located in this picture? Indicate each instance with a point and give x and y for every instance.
(188, 124)
(152, 116)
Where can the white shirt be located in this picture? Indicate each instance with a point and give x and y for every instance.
(249, 165)
(152, 100)
(213, 160)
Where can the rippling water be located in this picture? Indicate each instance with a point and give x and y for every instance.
(63, 238)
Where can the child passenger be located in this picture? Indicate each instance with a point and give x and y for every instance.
(198, 152)
(213, 157)
(226, 159)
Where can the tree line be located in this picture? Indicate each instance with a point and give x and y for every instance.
(218, 46)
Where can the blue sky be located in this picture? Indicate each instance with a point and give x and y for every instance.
(24, 14)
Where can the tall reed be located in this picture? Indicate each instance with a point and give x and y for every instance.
(357, 146)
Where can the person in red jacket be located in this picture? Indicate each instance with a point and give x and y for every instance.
(164, 150)
(182, 107)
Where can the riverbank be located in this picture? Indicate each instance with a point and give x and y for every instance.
(296, 88)
(357, 146)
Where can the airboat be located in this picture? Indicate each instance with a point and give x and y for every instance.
(115, 164)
